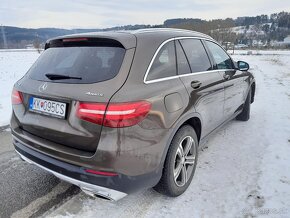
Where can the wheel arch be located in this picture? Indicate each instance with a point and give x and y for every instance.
(194, 120)
(253, 91)
(195, 123)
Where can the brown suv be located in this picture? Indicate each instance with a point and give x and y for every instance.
(116, 112)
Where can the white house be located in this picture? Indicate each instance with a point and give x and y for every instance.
(287, 40)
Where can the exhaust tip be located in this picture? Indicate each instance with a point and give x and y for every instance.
(101, 195)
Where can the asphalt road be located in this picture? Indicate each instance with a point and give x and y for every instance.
(26, 190)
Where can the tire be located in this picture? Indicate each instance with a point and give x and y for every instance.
(178, 161)
(245, 114)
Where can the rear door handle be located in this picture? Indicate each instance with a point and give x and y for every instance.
(195, 84)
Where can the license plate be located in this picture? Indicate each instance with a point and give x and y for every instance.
(47, 107)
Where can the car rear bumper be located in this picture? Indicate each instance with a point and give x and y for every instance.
(109, 187)
(89, 188)
(86, 187)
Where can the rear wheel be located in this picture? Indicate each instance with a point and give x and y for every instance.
(180, 163)
(245, 114)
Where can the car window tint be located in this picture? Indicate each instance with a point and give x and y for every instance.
(164, 64)
(182, 63)
(221, 58)
(92, 64)
(196, 55)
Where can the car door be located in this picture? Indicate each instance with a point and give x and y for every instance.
(205, 86)
(235, 85)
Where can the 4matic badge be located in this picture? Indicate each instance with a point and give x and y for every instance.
(95, 94)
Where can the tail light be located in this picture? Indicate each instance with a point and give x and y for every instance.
(16, 97)
(116, 115)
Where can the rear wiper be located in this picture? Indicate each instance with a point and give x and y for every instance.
(59, 76)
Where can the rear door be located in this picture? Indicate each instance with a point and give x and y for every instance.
(67, 73)
(234, 82)
(204, 86)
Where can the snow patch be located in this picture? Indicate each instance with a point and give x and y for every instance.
(243, 171)
(13, 65)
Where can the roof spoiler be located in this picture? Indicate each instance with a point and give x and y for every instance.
(82, 42)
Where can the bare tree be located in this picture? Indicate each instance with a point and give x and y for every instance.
(5, 46)
(224, 36)
(36, 44)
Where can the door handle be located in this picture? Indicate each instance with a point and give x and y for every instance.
(195, 84)
(227, 76)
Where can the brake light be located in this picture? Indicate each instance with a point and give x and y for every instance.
(16, 97)
(74, 40)
(126, 114)
(116, 115)
(91, 112)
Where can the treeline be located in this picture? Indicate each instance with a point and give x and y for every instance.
(257, 30)
(199, 25)
(274, 27)
(261, 28)
(276, 20)
(281, 20)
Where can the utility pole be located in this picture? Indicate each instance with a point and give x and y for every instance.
(4, 37)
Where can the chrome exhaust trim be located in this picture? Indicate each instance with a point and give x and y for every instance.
(89, 189)
(98, 194)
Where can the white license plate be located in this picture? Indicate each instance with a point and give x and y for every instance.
(47, 107)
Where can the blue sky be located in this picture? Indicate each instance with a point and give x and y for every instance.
(101, 14)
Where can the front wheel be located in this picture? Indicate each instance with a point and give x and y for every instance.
(180, 163)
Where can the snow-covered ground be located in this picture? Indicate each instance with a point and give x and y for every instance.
(244, 170)
(13, 65)
(259, 52)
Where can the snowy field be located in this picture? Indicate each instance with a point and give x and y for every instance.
(260, 52)
(13, 65)
(244, 170)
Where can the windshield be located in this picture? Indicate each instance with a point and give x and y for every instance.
(91, 64)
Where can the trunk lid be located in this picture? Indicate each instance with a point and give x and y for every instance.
(103, 73)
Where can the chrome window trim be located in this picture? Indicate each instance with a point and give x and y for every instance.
(183, 75)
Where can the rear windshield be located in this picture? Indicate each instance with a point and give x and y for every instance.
(83, 64)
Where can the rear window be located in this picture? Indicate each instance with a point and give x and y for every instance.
(88, 64)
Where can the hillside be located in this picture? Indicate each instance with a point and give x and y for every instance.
(20, 37)
(245, 30)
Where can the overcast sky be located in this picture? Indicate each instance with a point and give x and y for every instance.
(108, 13)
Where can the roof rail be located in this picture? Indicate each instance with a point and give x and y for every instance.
(148, 30)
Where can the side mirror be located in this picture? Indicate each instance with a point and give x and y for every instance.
(243, 66)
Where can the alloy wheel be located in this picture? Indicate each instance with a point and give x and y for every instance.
(184, 161)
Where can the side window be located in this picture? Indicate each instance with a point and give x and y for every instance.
(221, 58)
(196, 55)
(182, 63)
(164, 64)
